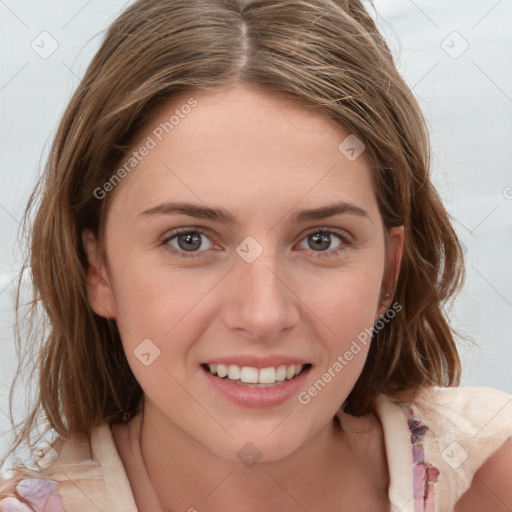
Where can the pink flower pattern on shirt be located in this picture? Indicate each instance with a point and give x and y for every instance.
(424, 474)
(41, 494)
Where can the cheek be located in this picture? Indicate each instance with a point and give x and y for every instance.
(150, 295)
(347, 302)
(161, 312)
(156, 317)
(346, 306)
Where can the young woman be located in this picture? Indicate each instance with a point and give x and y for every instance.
(243, 264)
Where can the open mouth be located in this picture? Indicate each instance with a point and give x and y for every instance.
(256, 377)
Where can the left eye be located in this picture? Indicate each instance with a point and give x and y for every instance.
(322, 240)
(189, 242)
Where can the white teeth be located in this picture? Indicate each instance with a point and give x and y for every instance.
(248, 374)
(281, 373)
(222, 371)
(267, 376)
(251, 375)
(233, 372)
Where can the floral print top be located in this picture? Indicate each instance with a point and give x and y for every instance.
(424, 474)
(40, 495)
(421, 478)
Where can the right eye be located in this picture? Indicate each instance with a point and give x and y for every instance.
(186, 238)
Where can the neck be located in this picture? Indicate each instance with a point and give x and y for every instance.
(186, 474)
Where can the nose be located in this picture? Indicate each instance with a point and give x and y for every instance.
(260, 299)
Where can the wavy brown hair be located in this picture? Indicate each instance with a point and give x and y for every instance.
(325, 54)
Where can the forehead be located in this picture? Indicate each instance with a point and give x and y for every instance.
(246, 149)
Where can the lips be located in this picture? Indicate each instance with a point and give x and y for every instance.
(256, 394)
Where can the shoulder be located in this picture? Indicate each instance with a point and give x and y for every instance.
(477, 412)
(472, 441)
(469, 397)
(84, 474)
(465, 439)
(472, 412)
(490, 488)
(30, 495)
(24, 489)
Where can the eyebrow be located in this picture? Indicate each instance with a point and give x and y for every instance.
(226, 217)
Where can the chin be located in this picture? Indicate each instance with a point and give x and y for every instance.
(257, 446)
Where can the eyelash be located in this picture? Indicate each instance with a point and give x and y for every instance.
(316, 254)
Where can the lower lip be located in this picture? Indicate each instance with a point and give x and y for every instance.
(257, 398)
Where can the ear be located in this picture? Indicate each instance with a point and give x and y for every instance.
(99, 290)
(394, 251)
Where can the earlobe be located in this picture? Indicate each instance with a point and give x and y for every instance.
(99, 290)
(394, 253)
(397, 244)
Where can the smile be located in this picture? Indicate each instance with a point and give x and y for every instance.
(249, 386)
(252, 375)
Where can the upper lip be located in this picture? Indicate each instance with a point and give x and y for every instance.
(257, 361)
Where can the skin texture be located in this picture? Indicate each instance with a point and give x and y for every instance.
(490, 489)
(264, 159)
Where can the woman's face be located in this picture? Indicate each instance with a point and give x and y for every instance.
(265, 277)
